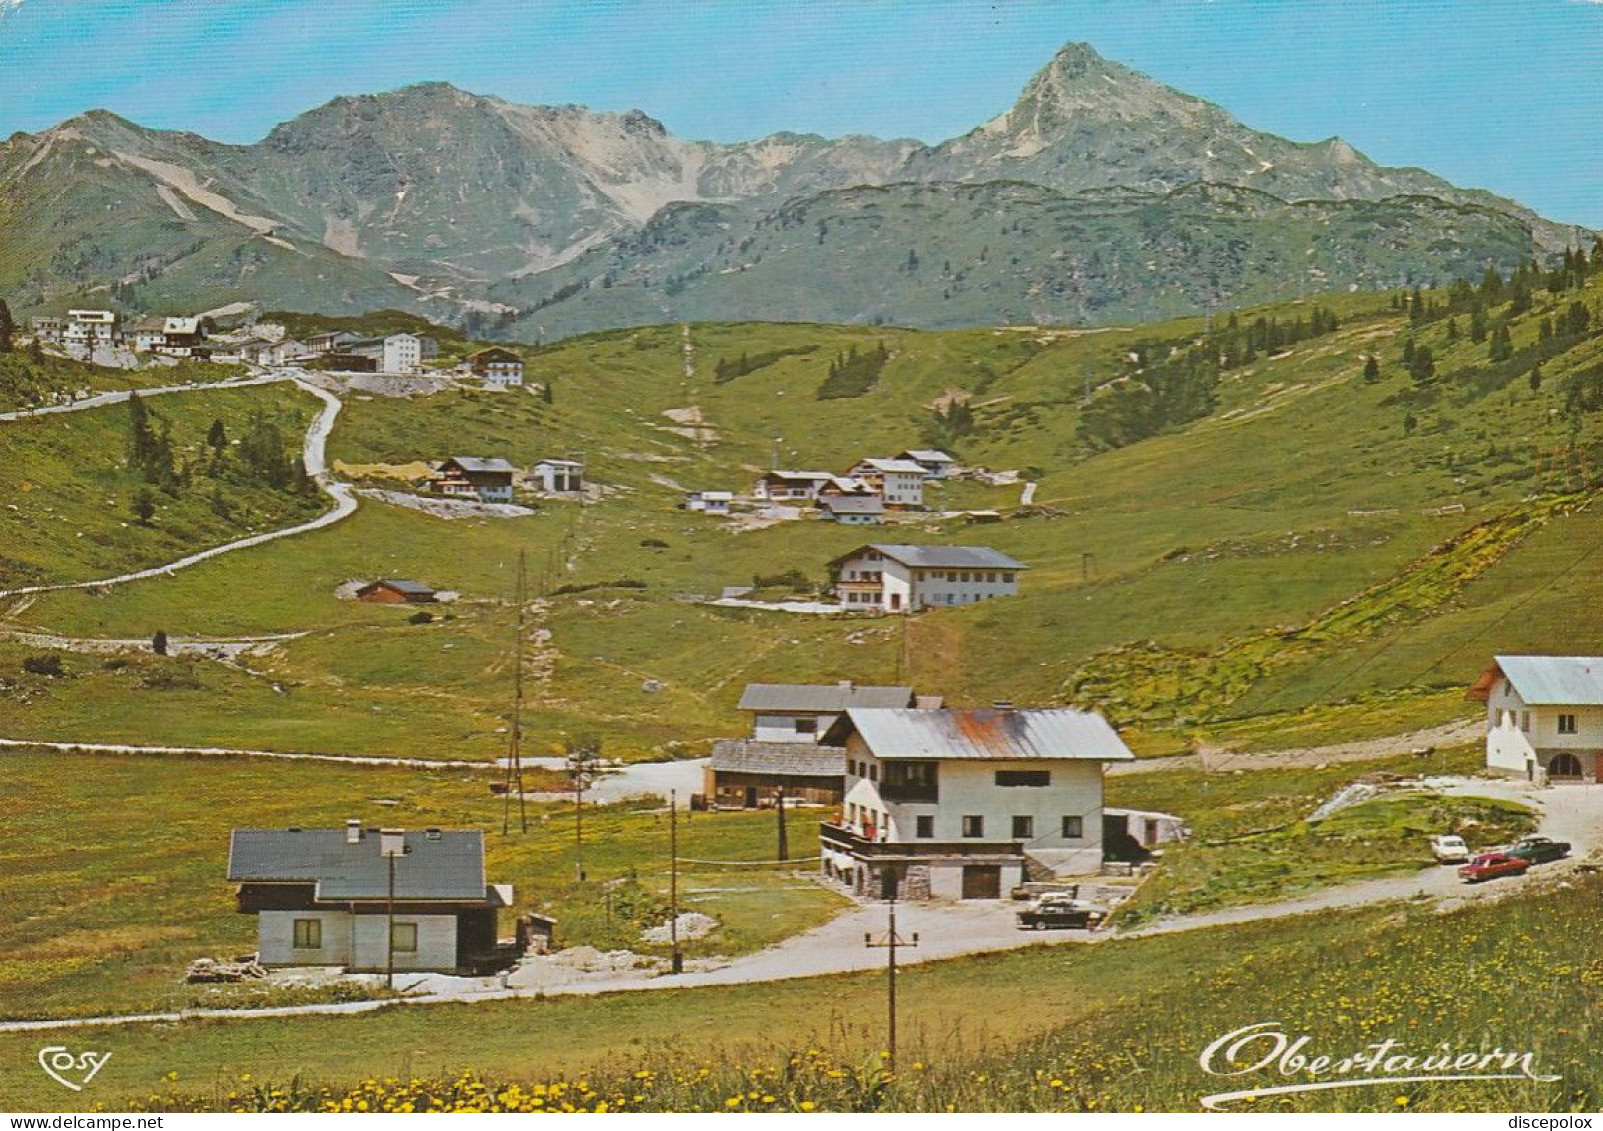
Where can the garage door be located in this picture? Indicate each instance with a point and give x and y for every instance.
(982, 881)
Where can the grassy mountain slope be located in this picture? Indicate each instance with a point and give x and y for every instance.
(1223, 566)
(961, 255)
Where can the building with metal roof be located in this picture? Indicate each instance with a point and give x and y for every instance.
(894, 578)
(967, 804)
(487, 479)
(329, 897)
(1544, 717)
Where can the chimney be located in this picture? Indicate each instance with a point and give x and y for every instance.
(392, 842)
(353, 831)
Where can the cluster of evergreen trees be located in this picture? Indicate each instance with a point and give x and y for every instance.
(1492, 307)
(261, 458)
(1239, 344)
(1160, 393)
(852, 374)
(728, 368)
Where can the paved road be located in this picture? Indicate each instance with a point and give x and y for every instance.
(313, 455)
(1573, 813)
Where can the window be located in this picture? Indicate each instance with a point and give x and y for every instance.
(1525, 720)
(1566, 724)
(990, 578)
(973, 826)
(403, 939)
(806, 726)
(924, 827)
(1007, 578)
(1023, 828)
(873, 772)
(1073, 828)
(1023, 777)
(308, 934)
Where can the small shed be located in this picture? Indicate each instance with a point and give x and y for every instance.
(559, 476)
(396, 591)
(709, 502)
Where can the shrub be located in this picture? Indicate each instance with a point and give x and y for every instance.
(420, 617)
(46, 664)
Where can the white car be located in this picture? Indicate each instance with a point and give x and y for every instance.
(1449, 849)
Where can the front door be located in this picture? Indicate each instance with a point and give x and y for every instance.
(896, 602)
(751, 797)
(982, 881)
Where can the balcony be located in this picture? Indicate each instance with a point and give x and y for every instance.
(928, 792)
(842, 839)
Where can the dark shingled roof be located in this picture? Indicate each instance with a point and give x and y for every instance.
(809, 698)
(797, 759)
(447, 864)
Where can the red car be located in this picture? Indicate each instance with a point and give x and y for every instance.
(1490, 865)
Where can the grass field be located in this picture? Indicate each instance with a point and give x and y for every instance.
(1114, 1027)
(119, 882)
(68, 517)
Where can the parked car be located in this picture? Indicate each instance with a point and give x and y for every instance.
(1539, 849)
(1059, 910)
(1490, 865)
(1449, 849)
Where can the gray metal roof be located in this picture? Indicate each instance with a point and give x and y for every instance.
(798, 759)
(810, 476)
(903, 466)
(923, 456)
(1555, 680)
(942, 557)
(820, 698)
(853, 504)
(1029, 733)
(479, 463)
(445, 865)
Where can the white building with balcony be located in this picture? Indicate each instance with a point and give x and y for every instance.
(902, 579)
(966, 804)
(1544, 717)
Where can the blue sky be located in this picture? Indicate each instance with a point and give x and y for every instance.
(1502, 94)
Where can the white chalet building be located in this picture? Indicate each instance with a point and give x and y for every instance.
(903, 579)
(966, 804)
(1544, 717)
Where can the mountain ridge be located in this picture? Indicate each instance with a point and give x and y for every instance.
(440, 200)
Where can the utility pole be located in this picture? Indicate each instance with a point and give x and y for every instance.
(889, 943)
(391, 845)
(514, 769)
(676, 962)
(581, 762)
(784, 843)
